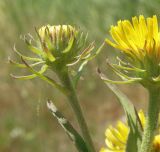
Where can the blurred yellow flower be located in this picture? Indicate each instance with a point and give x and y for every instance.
(116, 138)
(138, 38)
(156, 143)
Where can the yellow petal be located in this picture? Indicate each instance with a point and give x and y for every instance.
(117, 38)
(123, 129)
(143, 26)
(156, 143)
(117, 46)
(155, 28)
(142, 117)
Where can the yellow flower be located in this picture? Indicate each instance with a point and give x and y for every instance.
(138, 38)
(139, 41)
(116, 138)
(156, 143)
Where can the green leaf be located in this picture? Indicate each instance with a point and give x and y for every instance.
(134, 137)
(70, 131)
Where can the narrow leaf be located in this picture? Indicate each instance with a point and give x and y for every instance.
(134, 137)
(70, 131)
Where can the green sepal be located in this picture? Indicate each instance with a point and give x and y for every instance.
(25, 57)
(70, 44)
(68, 128)
(24, 77)
(87, 50)
(128, 68)
(23, 65)
(48, 53)
(32, 48)
(45, 78)
(106, 80)
(79, 73)
(95, 53)
(32, 76)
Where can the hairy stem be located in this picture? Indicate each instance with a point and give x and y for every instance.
(73, 100)
(151, 120)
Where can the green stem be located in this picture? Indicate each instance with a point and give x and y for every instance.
(72, 97)
(151, 120)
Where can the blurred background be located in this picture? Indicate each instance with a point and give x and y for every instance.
(25, 123)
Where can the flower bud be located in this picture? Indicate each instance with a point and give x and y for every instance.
(62, 45)
(57, 48)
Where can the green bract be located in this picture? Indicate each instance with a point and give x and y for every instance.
(57, 47)
(61, 45)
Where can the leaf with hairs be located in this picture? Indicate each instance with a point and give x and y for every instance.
(70, 131)
(134, 137)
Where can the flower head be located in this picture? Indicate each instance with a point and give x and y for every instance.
(57, 39)
(116, 138)
(62, 44)
(57, 47)
(139, 41)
